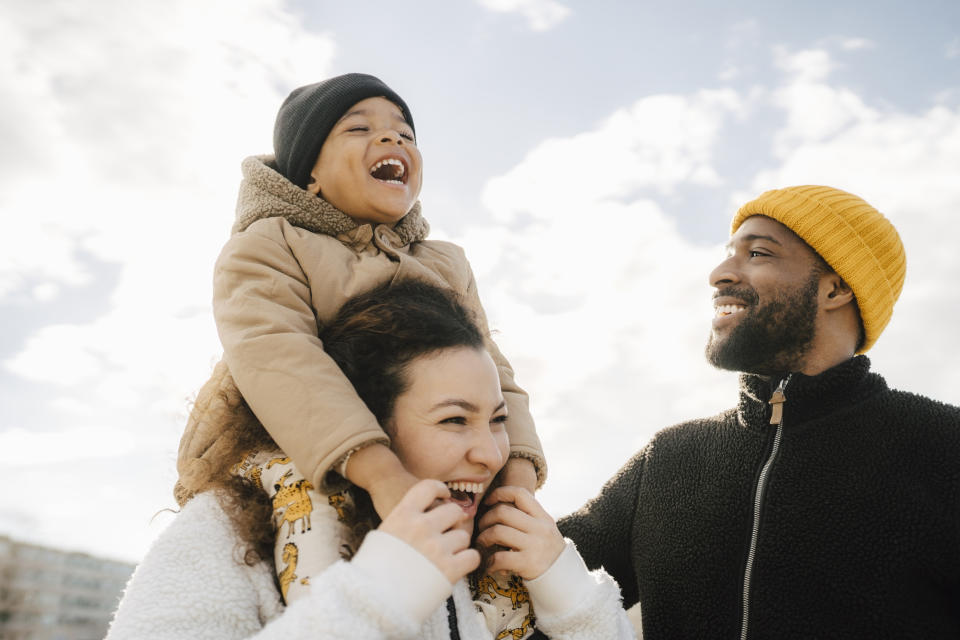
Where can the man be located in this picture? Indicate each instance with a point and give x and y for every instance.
(824, 505)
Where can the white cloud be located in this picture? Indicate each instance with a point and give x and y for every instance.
(127, 136)
(541, 15)
(602, 305)
(815, 110)
(808, 65)
(659, 142)
(906, 164)
(856, 44)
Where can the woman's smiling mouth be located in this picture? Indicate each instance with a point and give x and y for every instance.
(466, 494)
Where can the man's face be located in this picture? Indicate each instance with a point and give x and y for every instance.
(766, 300)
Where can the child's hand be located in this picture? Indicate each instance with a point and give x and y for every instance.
(519, 472)
(378, 470)
(424, 520)
(530, 536)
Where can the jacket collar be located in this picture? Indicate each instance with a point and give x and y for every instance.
(808, 397)
(264, 193)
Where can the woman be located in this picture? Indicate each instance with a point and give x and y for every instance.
(417, 359)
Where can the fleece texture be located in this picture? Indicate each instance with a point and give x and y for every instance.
(191, 584)
(859, 525)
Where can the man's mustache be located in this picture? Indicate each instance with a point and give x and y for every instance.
(746, 295)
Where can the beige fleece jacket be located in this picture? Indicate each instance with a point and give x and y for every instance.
(293, 260)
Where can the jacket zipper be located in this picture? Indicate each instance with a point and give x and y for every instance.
(777, 401)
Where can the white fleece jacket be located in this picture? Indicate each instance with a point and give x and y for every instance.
(192, 585)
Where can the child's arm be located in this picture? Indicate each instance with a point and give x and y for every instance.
(526, 452)
(264, 308)
(377, 469)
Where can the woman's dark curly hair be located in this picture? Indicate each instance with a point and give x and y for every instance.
(372, 339)
(376, 335)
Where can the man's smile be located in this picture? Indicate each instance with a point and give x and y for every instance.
(728, 309)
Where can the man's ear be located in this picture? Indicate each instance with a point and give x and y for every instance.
(834, 292)
(313, 186)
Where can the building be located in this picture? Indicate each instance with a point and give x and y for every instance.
(50, 594)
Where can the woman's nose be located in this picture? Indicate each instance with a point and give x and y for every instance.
(485, 449)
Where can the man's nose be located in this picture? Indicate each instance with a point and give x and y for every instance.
(725, 273)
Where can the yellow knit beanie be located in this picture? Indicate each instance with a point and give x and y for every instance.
(855, 239)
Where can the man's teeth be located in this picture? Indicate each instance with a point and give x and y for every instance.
(469, 487)
(729, 309)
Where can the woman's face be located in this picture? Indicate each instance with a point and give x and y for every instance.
(449, 424)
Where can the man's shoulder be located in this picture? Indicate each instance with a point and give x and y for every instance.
(696, 428)
(921, 412)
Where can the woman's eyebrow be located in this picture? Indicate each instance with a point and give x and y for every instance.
(455, 402)
(466, 405)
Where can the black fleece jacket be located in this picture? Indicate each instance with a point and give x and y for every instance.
(858, 526)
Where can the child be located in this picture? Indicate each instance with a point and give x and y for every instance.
(333, 214)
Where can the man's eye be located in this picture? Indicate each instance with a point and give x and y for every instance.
(756, 254)
(407, 136)
(358, 128)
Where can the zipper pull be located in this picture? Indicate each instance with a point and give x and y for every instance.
(777, 400)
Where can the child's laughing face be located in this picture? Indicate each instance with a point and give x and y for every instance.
(369, 166)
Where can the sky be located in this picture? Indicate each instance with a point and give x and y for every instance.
(587, 155)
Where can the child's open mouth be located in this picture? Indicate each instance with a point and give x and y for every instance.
(389, 170)
(465, 494)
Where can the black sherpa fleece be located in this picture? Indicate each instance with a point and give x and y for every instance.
(859, 530)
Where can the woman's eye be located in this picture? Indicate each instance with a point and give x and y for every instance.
(358, 128)
(454, 420)
(499, 420)
(408, 136)
(757, 254)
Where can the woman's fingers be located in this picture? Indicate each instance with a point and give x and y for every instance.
(428, 526)
(519, 523)
(506, 514)
(463, 563)
(423, 494)
(505, 561)
(505, 536)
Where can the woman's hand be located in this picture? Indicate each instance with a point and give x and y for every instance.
(424, 520)
(530, 536)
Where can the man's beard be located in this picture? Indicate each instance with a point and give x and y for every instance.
(771, 338)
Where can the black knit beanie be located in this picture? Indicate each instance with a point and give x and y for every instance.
(309, 113)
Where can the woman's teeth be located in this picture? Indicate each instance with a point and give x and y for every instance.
(467, 487)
